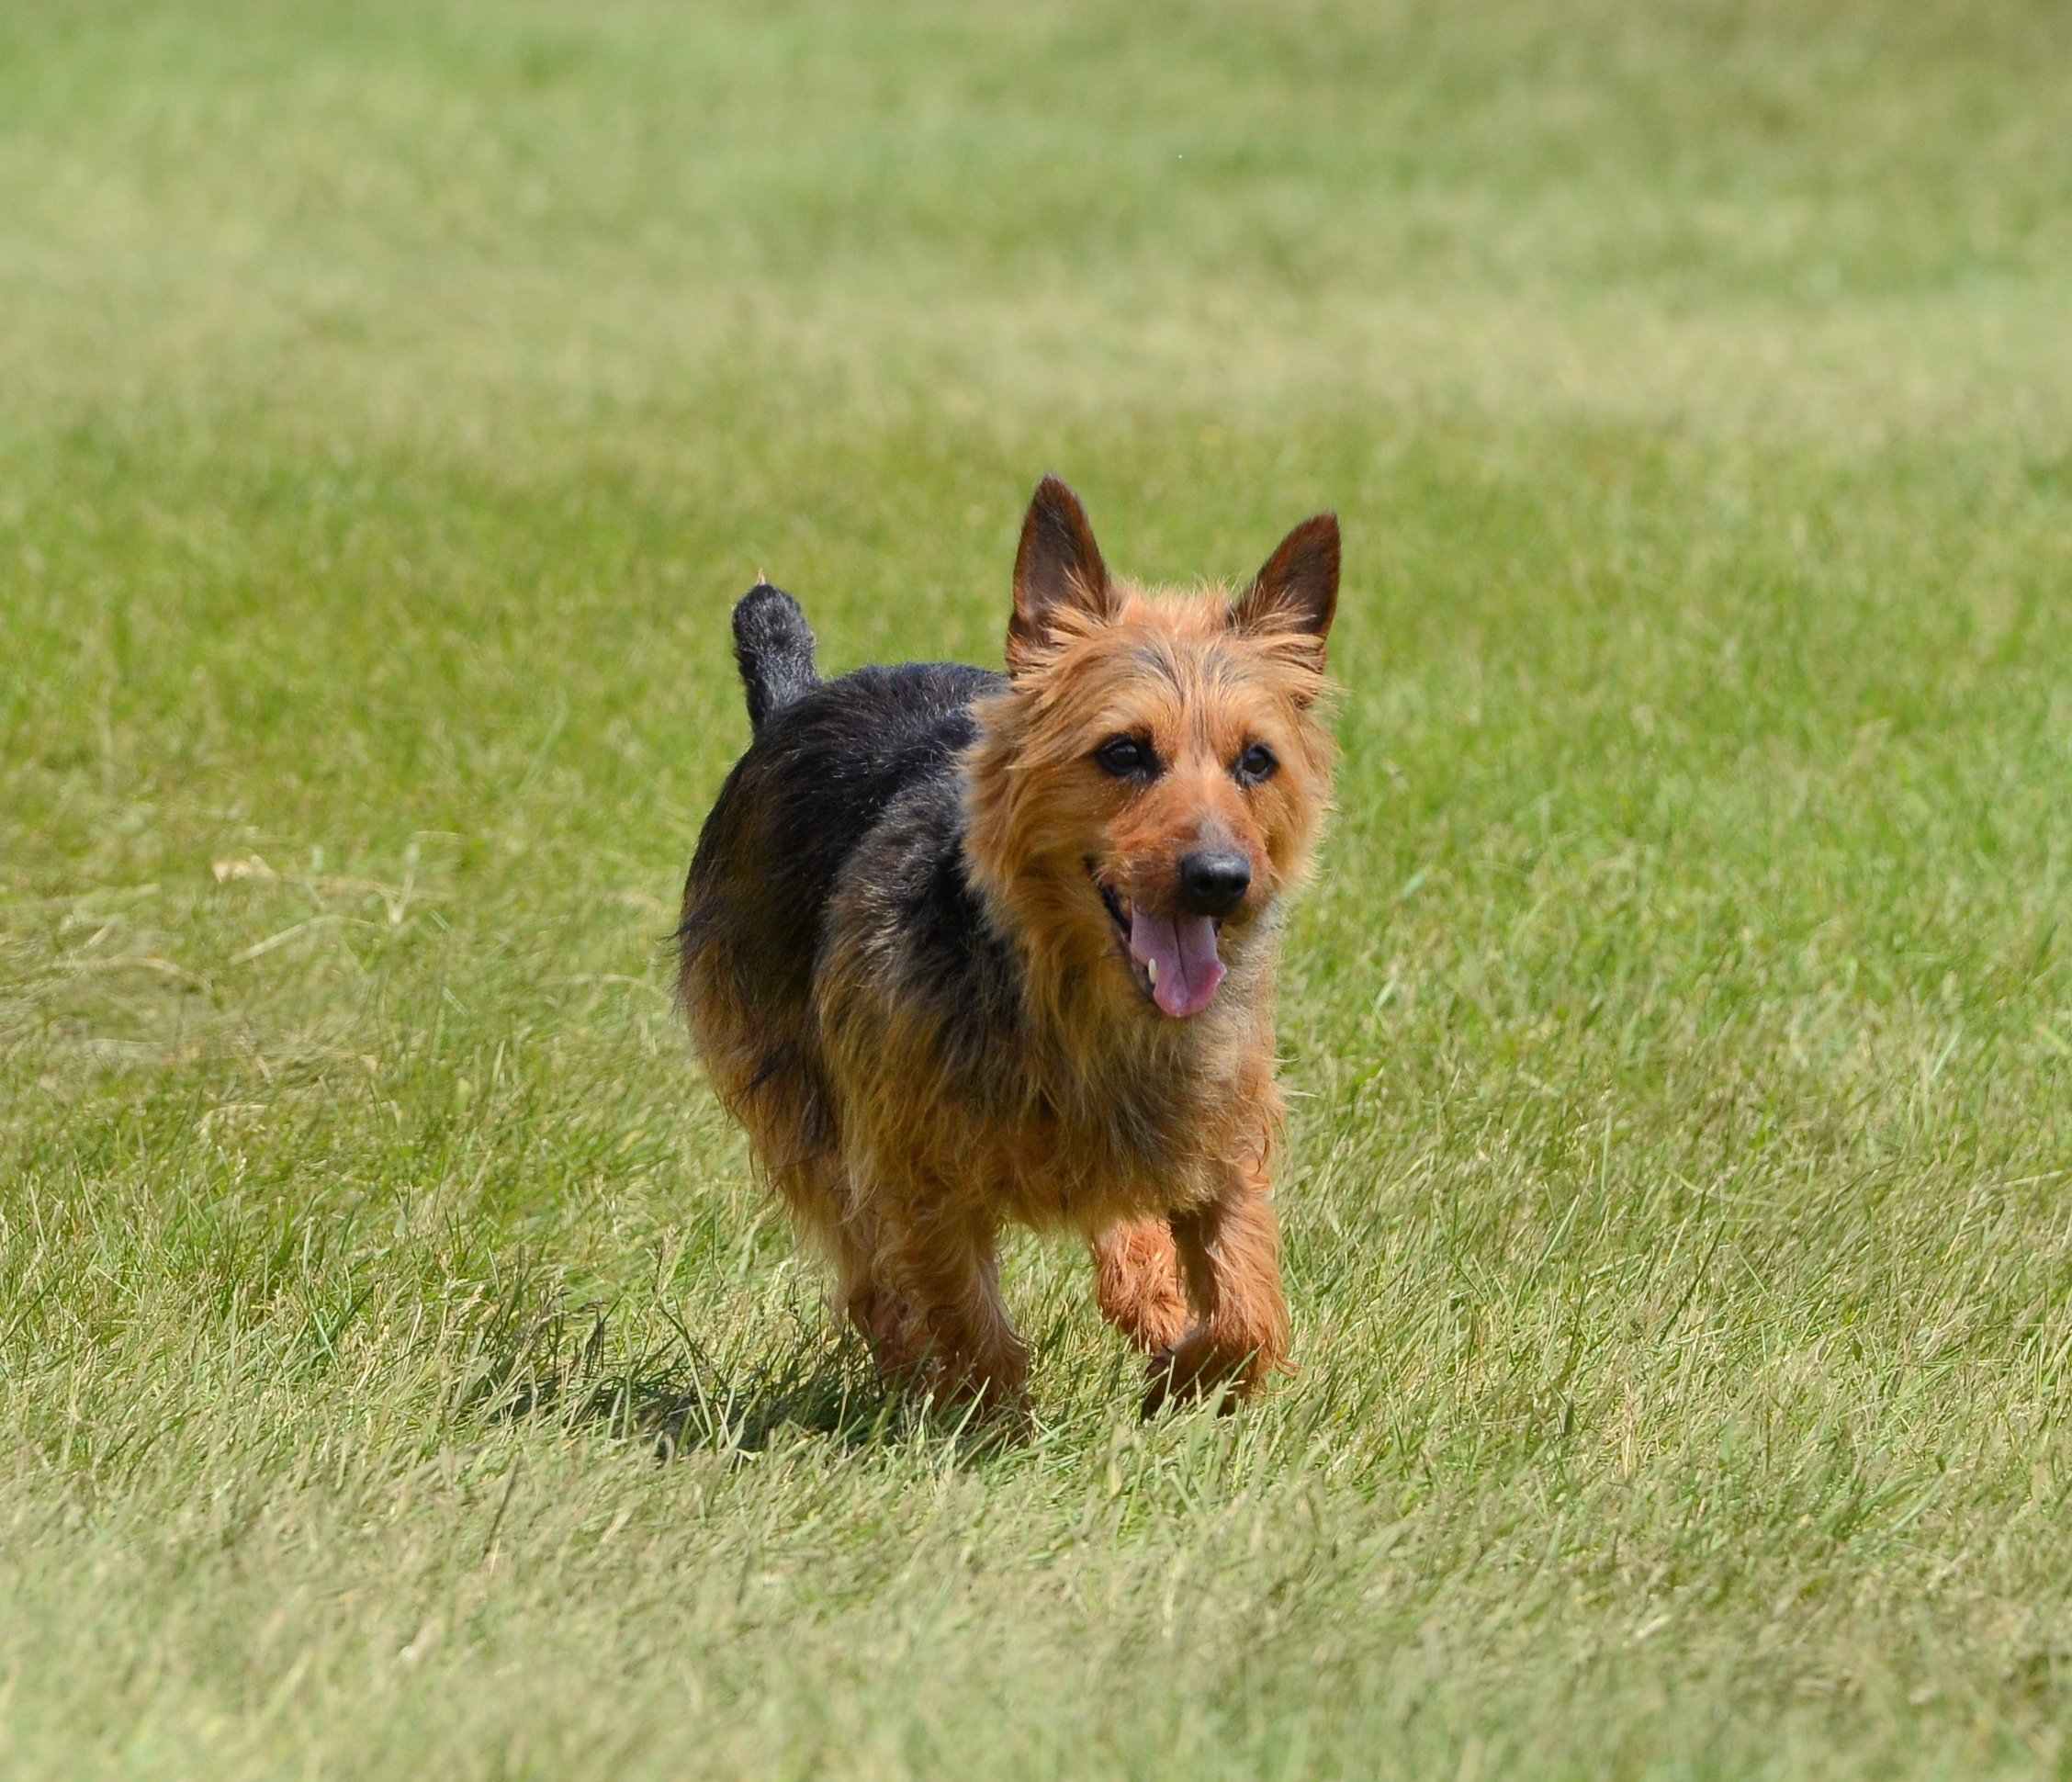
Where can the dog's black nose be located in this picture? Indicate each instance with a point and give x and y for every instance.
(1213, 883)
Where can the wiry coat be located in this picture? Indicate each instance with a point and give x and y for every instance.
(897, 964)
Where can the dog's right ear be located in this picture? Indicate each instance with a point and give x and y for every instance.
(1057, 569)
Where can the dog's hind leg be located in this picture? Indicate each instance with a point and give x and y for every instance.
(1230, 1255)
(847, 1232)
(877, 1310)
(1137, 1284)
(815, 1191)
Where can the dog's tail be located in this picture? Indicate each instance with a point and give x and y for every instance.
(773, 644)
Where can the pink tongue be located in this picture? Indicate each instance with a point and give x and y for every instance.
(1183, 948)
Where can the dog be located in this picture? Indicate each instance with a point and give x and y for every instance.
(960, 948)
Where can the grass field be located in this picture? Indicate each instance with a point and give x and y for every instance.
(398, 1373)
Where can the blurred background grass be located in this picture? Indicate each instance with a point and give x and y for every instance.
(393, 399)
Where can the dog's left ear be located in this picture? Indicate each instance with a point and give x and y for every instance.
(1058, 567)
(1298, 590)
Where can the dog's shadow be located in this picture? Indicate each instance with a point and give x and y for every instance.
(682, 1399)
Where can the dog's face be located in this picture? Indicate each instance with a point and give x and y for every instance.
(1154, 778)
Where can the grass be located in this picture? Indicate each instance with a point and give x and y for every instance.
(397, 1371)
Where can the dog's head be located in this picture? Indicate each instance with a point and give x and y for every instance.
(1153, 779)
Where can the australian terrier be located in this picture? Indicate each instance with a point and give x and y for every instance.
(960, 948)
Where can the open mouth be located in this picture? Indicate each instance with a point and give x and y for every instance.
(1173, 958)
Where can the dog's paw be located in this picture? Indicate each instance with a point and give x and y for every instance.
(1190, 1371)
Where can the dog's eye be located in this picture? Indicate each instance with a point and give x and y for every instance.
(1256, 764)
(1128, 758)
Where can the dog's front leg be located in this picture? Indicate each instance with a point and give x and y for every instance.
(1137, 1284)
(1229, 1259)
(944, 1275)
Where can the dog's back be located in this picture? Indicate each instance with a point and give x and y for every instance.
(827, 758)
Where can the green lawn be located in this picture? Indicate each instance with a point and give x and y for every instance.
(399, 1372)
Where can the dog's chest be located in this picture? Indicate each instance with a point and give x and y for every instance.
(1080, 1151)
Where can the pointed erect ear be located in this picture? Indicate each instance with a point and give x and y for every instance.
(1057, 568)
(1298, 590)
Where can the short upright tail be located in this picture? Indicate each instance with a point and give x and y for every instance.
(773, 644)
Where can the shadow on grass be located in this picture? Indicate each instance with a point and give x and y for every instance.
(683, 1399)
